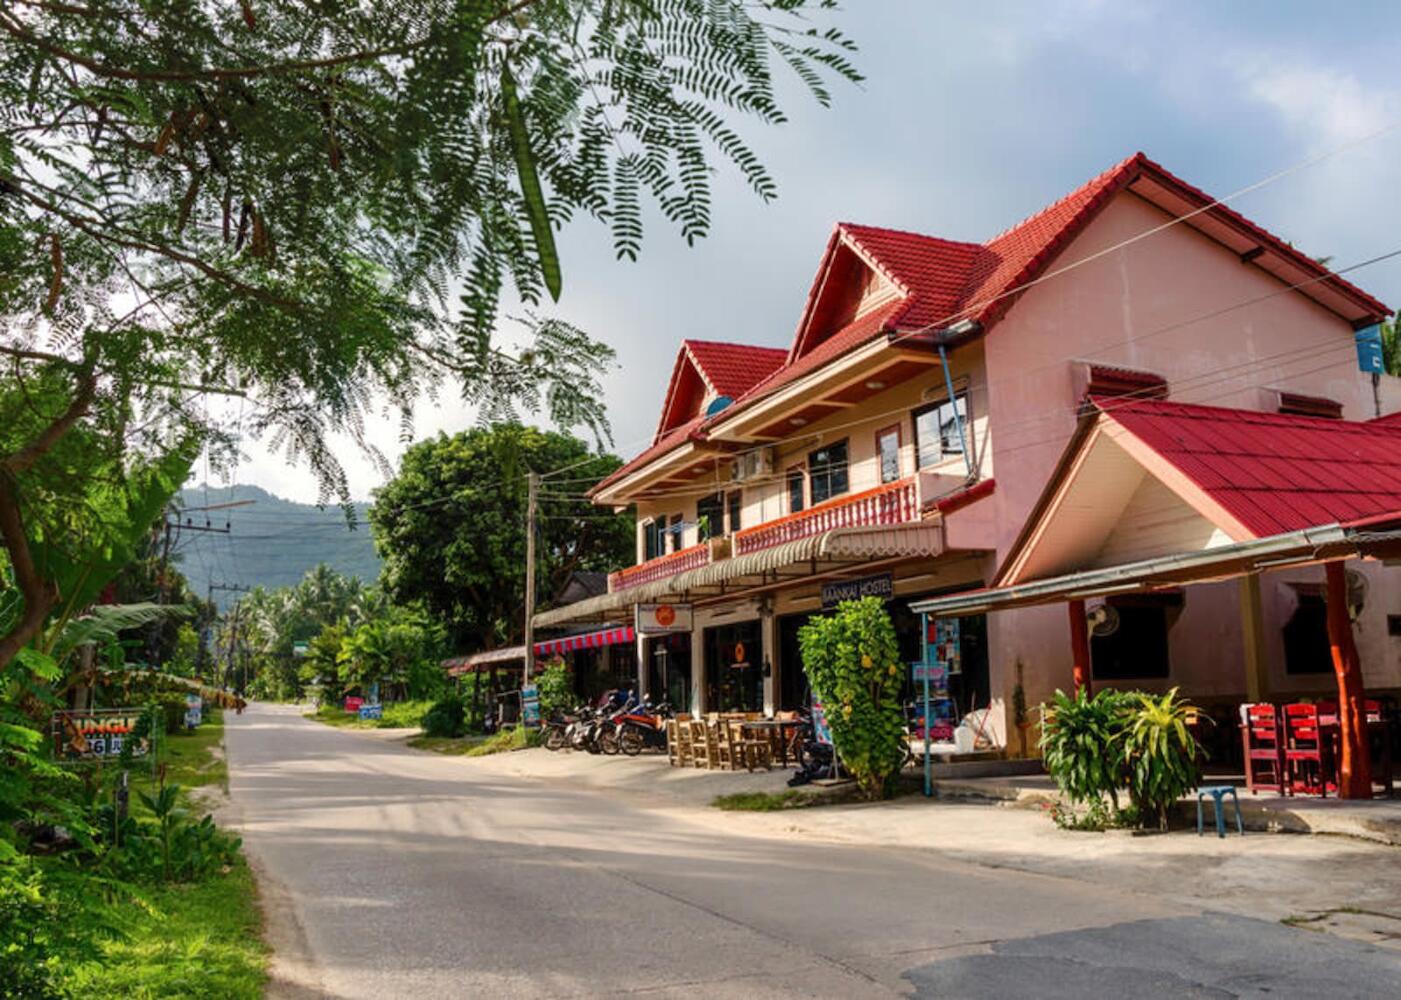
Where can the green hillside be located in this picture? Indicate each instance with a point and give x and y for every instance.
(270, 542)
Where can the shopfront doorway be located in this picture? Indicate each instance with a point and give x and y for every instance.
(968, 678)
(669, 670)
(793, 690)
(734, 668)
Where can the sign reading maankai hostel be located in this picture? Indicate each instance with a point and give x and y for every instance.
(882, 585)
(662, 619)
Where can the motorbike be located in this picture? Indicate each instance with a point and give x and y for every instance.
(642, 728)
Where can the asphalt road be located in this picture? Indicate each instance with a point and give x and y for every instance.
(389, 873)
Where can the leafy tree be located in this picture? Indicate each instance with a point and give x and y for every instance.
(852, 659)
(399, 650)
(322, 664)
(270, 623)
(280, 199)
(450, 527)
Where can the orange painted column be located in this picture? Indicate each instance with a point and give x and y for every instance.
(1079, 646)
(1355, 765)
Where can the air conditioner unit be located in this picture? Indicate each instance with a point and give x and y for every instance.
(752, 464)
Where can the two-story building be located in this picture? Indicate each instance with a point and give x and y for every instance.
(898, 445)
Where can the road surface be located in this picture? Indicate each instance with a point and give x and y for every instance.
(391, 873)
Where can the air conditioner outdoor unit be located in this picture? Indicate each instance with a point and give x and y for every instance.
(752, 464)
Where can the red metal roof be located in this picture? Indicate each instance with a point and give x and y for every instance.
(1274, 472)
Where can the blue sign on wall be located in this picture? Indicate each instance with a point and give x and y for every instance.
(371, 711)
(1369, 349)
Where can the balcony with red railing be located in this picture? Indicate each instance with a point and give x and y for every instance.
(659, 568)
(891, 503)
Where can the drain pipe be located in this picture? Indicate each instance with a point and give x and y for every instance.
(957, 417)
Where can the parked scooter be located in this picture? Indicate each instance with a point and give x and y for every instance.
(643, 727)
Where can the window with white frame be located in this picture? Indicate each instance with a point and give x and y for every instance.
(937, 430)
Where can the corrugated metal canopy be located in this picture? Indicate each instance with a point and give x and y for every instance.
(1296, 548)
(801, 557)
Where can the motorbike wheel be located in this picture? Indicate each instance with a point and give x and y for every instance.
(630, 741)
(554, 739)
(608, 741)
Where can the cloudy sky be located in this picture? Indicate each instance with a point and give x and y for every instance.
(973, 116)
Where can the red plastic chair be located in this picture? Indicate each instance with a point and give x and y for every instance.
(1307, 760)
(1261, 748)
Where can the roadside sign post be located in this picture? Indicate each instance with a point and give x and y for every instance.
(530, 706)
(924, 662)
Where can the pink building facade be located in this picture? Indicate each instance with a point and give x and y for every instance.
(902, 441)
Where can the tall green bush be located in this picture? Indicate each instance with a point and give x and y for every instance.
(1094, 746)
(556, 693)
(1082, 744)
(852, 660)
(1160, 754)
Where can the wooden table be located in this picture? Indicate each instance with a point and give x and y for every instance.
(1378, 727)
(772, 727)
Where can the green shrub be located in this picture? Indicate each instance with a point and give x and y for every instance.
(172, 710)
(1160, 754)
(852, 660)
(556, 692)
(1093, 746)
(447, 718)
(29, 963)
(1082, 745)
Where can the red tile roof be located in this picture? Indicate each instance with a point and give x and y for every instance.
(733, 369)
(944, 281)
(930, 271)
(1274, 472)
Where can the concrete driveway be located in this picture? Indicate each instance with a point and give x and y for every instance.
(391, 873)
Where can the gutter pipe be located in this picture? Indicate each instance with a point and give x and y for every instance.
(1300, 546)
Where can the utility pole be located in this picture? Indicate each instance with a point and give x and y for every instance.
(532, 496)
(206, 627)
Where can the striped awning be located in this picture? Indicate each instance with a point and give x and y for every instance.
(588, 640)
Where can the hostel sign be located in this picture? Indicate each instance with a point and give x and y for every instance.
(882, 585)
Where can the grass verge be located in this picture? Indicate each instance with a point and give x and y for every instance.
(195, 939)
(198, 940)
(195, 758)
(449, 745)
(515, 738)
(397, 715)
(791, 798)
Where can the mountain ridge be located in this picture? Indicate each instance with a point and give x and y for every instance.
(256, 538)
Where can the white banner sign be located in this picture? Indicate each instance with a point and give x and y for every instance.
(661, 619)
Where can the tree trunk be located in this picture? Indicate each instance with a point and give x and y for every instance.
(39, 595)
(1355, 764)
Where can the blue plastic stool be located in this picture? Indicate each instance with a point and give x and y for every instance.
(1218, 793)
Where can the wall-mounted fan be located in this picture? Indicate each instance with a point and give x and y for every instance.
(1103, 620)
(1356, 593)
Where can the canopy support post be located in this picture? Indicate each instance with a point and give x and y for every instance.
(1355, 765)
(1257, 679)
(1079, 645)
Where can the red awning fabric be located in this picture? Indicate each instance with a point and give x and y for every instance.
(589, 640)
